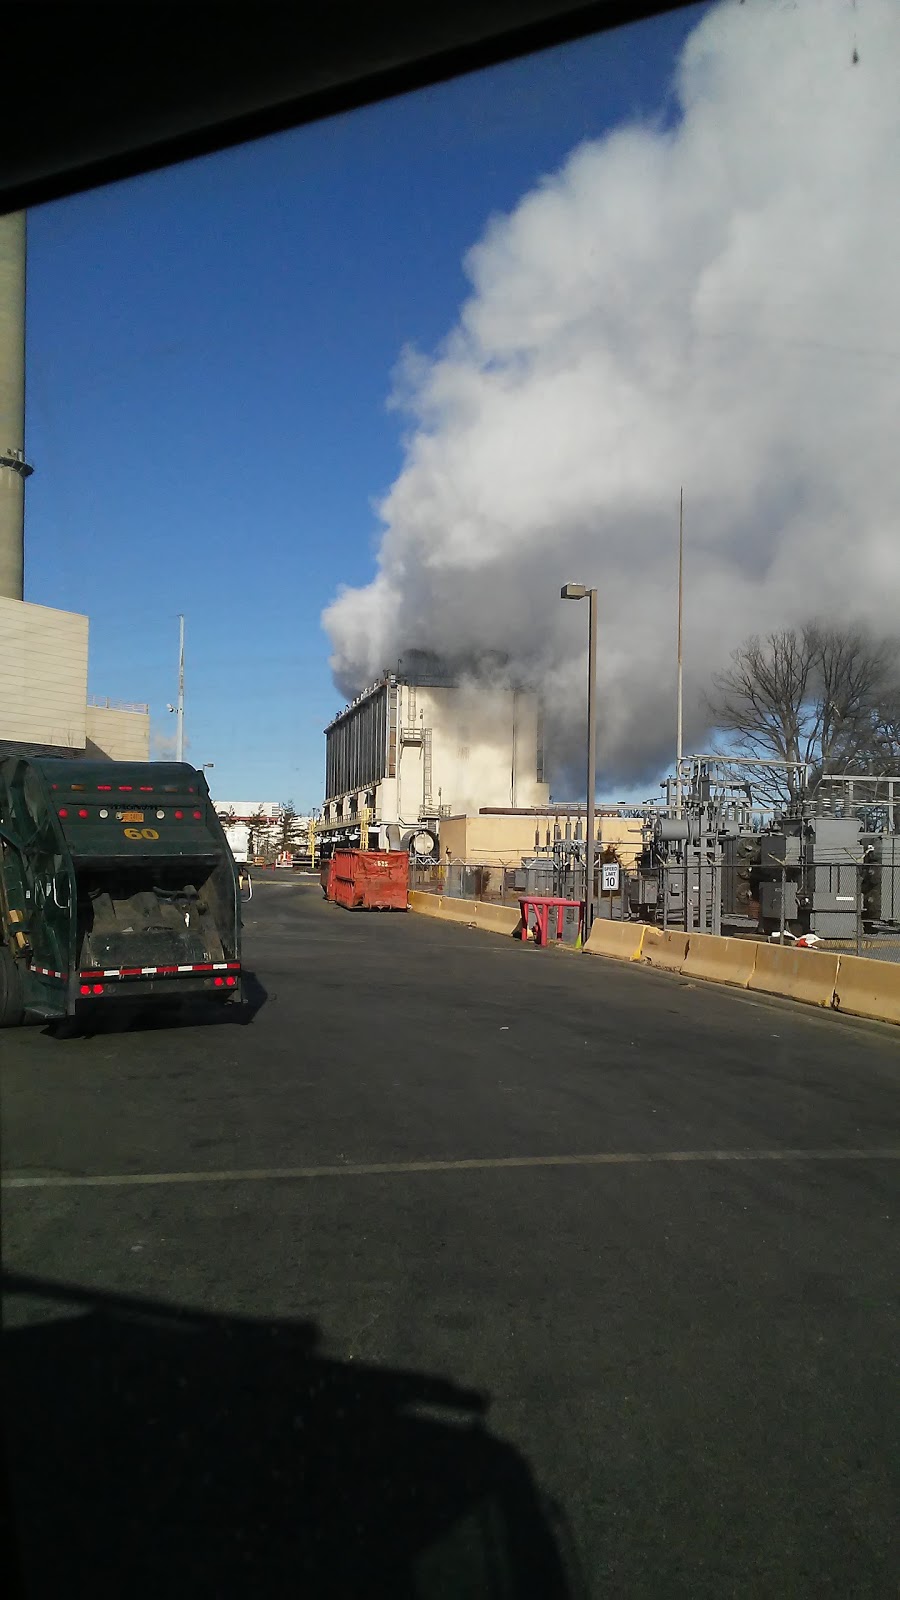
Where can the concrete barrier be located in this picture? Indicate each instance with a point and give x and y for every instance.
(497, 919)
(720, 960)
(621, 940)
(807, 975)
(453, 910)
(868, 988)
(664, 949)
(429, 905)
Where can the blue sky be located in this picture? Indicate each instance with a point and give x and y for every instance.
(210, 353)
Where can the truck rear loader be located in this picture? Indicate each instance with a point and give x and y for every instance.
(116, 884)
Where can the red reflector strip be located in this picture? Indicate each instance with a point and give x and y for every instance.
(152, 972)
(48, 972)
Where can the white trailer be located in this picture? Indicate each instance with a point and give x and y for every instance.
(238, 836)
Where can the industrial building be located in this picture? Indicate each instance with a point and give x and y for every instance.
(44, 704)
(256, 828)
(422, 746)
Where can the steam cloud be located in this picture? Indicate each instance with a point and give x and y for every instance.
(716, 305)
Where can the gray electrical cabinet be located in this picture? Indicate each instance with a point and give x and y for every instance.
(770, 896)
(881, 880)
(830, 893)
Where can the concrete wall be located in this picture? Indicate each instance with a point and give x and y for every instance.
(488, 841)
(118, 735)
(43, 675)
(504, 840)
(625, 835)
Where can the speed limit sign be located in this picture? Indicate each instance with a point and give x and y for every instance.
(610, 877)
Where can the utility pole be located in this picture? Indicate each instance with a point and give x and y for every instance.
(579, 591)
(14, 469)
(589, 848)
(679, 740)
(178, 709)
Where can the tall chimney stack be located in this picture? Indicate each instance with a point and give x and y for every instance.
(13, 467)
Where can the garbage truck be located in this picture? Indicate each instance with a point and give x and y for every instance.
(116, 884)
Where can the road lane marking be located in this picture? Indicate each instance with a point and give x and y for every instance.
(381, 1169)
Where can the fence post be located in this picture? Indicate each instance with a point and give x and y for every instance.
(781, 907)
(859, 910)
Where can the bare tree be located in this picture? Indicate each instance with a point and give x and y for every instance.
(814, 696)
(886, 731)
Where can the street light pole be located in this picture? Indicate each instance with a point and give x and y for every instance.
(578, 591)
(589, 850)
(679, 715)
(179, 726)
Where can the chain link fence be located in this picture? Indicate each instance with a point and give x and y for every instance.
(834, 903)
(495, 885)
(838, 904)
(506, 885)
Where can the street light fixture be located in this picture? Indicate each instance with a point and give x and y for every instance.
(578, 591)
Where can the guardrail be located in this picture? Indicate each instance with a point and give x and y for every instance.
(102, 704)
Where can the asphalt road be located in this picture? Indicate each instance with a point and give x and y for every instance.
(465, 1269)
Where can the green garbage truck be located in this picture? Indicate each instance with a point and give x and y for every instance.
(116, 884)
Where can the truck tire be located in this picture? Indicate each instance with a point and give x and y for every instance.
(12, 1011)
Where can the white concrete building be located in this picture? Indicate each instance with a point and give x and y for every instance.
(412, 751)
(259, 822)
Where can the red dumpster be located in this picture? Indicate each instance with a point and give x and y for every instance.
(370, 880)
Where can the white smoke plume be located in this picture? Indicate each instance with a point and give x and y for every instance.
(714, 304)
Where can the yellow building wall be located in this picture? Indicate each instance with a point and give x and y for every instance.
(118, 735)
(43, 675)
(504, 840)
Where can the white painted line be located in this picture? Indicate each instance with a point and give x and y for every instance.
(379, 1169)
